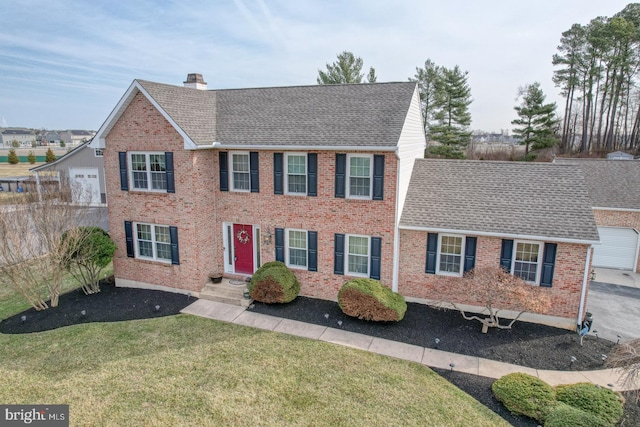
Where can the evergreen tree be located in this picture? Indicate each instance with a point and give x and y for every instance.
(13, 157)
(31, 158)
(426, 78)
(50, 156)
(451, 115)
(347, 69)
(536, 120)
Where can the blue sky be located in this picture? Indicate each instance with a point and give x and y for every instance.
(64, 64)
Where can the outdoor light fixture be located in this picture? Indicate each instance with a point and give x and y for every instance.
(452, 365)
(326, 315)
(83, 312)
(23, 318)
(157, 308)
(339, 322)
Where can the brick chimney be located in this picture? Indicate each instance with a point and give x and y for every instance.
(195, 81)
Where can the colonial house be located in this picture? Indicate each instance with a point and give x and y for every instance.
(24, 137)
(74, 137)
(614, 190)
(319, 177)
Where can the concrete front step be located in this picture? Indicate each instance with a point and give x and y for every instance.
(225, 293)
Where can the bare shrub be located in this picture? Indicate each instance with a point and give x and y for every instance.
(625, 357)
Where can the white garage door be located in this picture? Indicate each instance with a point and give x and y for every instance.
(85, 185)
(617, 248)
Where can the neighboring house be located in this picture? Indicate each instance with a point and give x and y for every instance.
(462, 214)
(614, 189)
(25, 137)
(83, 167)
(49, 138)
(203, 181)
(619, 155)
(75, 137)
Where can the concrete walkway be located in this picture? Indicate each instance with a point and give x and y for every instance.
(413, 353)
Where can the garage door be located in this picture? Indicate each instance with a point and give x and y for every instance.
(617, 249)
(85, 185)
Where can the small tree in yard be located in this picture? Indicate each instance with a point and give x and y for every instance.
(626, 358)
(89, 250)
(50, 157)
(31, 158)
(33, 252)
(12, 158)
(494, 287)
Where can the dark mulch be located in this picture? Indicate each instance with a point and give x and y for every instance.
(111, 304)
(527, 344)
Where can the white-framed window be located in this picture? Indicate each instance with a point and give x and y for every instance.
(450, 259)
(359, 176)
(526, 261)
(152, 242)
(296, 175)
(148, 171)
(98, 152)
(358, 255)
(297, 249)
(240, 174)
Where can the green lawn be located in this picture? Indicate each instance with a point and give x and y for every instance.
(185, 370)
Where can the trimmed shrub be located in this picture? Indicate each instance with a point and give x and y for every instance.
(524, 394)
(273, 282)
(563, 415)
(591, 398)
(369, 299)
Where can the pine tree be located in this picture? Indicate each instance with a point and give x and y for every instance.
(13, 157)
(426, 78)
(31, 158)
(451, 115)
(347, 69)
(537, 120)
(50, 156)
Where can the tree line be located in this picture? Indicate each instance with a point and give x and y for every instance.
(597, 72)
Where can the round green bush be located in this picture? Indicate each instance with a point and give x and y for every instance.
(524, 394)
(369, 299)
(273, 282)
(563, 415)
(591, 398)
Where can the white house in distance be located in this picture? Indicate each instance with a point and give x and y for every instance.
(24, 136)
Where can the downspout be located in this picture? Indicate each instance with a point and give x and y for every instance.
(38, 187)
(585, 282)
(396, 232)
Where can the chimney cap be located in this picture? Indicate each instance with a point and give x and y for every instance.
(195, 81)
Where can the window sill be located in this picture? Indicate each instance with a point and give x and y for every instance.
(152, 261)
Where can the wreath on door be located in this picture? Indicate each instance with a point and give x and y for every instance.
(243, 236)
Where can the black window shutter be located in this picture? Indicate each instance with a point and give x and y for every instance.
(548, 264)
(128, 232)
(280, 244)
(376, 251)
(432, 252)
(312, 174)
(378, 177)
(224, 171)
(278, 184)
(312, 237)
(124, 180)
(506, 254)
(341, 170)
(168, 162)
(470, 253)
(253, 169)
(338, 254)
(175, 250)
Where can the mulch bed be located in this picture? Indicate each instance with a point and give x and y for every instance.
(526, 344)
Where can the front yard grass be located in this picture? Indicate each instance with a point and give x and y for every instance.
(185, 370)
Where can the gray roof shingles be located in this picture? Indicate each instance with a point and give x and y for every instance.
(367, 115)
(507, 198)
(611, 183)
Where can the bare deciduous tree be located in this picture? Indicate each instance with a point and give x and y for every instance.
(33, 254)
(493, 287)
(625, 357)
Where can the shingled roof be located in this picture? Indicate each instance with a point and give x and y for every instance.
(367, 115)
(519, 200)
(611, 184)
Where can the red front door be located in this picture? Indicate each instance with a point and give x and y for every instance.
(243, 248)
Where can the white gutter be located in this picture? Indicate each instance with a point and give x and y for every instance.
(615, 209)
(38, 187)
(585, 282)
(494, 234)
(223, 146)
